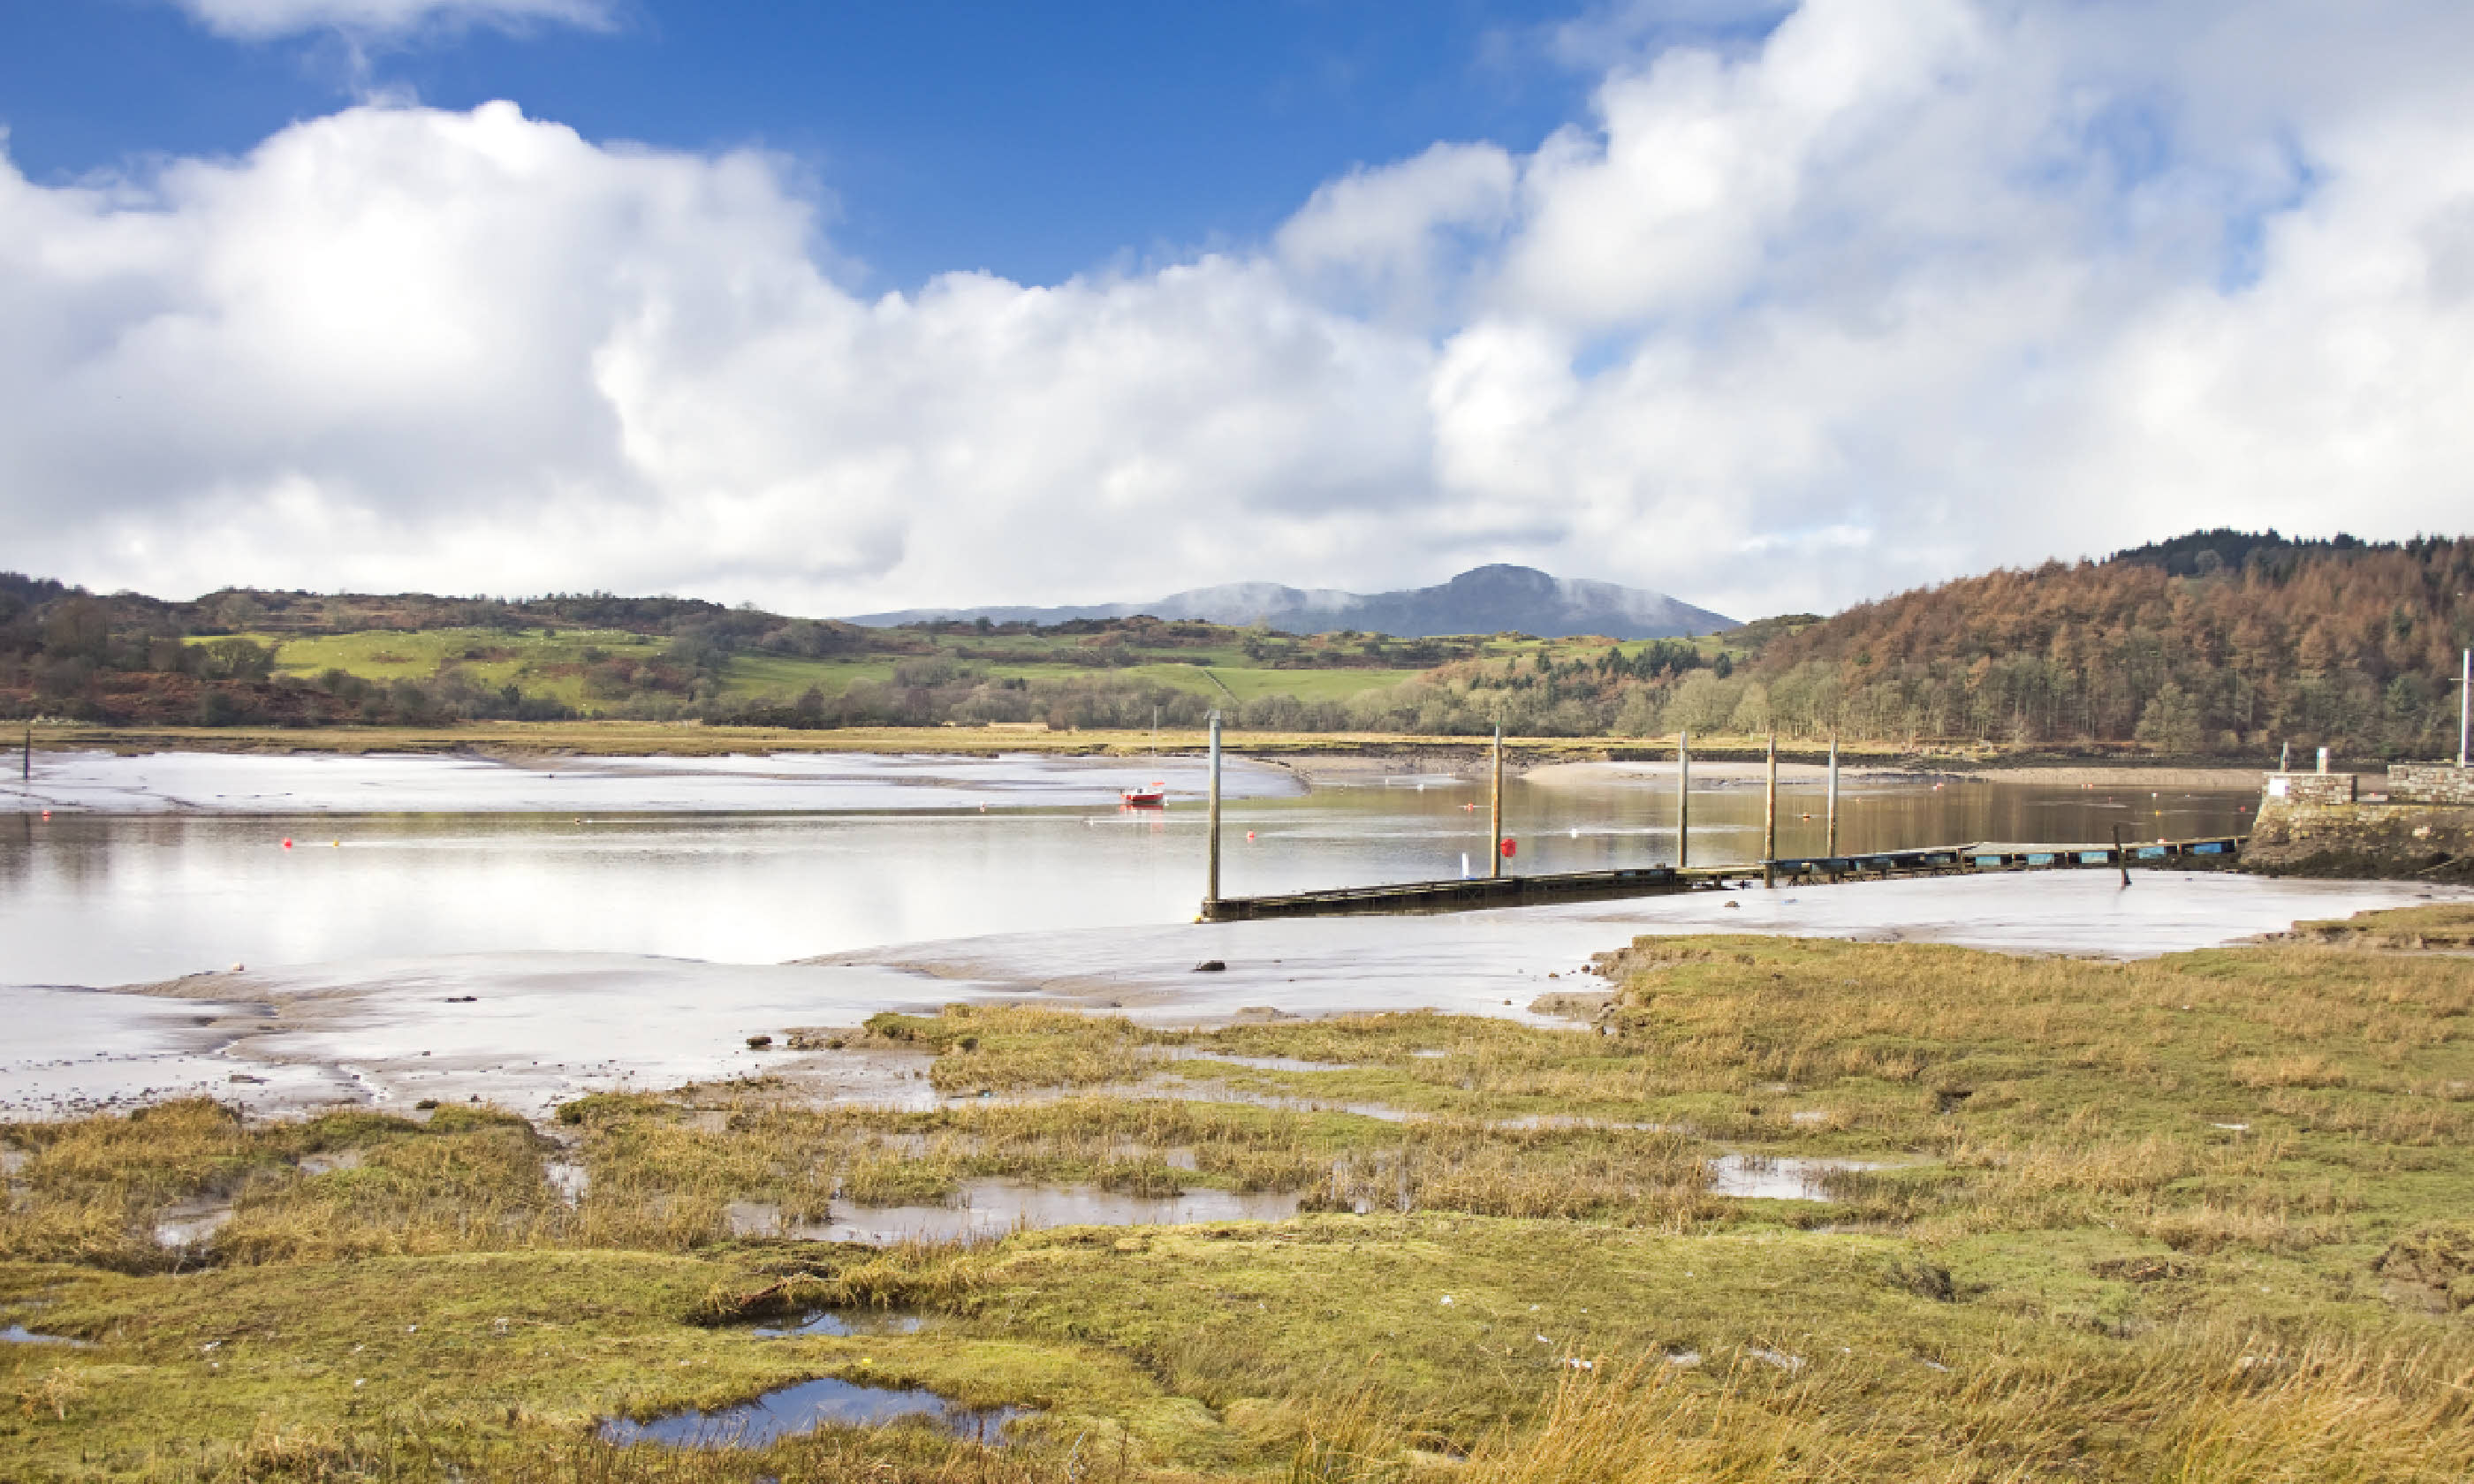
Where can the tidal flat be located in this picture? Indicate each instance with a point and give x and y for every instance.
(2202, 1217)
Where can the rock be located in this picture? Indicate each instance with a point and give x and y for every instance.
(1209, 966)
(759, 1043)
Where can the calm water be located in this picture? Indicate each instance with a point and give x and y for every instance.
(99, 899)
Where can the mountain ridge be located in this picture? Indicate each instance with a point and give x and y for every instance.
(1490, 599)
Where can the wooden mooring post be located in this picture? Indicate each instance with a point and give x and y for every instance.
(1211, 873)
(1683, 800)
(1769, 821)
(1495, 854)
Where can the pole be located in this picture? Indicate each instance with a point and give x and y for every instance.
(1211, 875)
(2120, 857)
(26, 770)
(2285, 758)
(1683, 800)
(2464, 708)
(1769, 821)
(1832, 850)
(1494, 857)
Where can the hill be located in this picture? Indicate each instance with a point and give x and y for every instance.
(1496, 599)
(2217, 641)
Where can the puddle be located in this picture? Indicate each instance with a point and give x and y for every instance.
(808, 1406)
(328, 1163)
(188, 1223)
(992, 1208)
(20, 1334)
(1757, 1177)
(569, 1178)
(844, 1324)
(1267, 1063)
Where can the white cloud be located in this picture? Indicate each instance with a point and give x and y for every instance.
(1908, 288)
(259, 21)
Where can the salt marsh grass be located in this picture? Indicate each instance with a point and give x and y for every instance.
(2203, 1218)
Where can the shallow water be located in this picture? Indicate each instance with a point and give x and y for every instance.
(20, 1334)
(844, 1324)
(808, 1406)
(762, 859)
(1782, 1178)
(993, 1207)
(188, 1223)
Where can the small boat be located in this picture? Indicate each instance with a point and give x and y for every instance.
(1152, 798)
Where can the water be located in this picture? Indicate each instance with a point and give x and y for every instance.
(20, 1334)
(1784, 1178)
(994, 1205)
(845, 1323)
(808, 1406)
(704, 859)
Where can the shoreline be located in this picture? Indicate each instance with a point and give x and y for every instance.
(1334, 755)
(525, 1030)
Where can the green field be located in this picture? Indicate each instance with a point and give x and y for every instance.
(553, 663)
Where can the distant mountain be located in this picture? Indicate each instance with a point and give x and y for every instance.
(1484, 600)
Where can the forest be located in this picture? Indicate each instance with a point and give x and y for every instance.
(2217, 643)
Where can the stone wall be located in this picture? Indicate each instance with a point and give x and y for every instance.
(2362, 840)
(2311, 787)
(2430, 782)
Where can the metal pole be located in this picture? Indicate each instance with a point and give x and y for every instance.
(1211, 875)
(1769, 821)
(2285, 758)
(2120, 857)
(1832, 850)
(1683, 800)
(26, 770)
(2465, 706)
(1494, 857)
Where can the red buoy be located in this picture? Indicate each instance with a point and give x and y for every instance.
(287, 842)
(1510, 848)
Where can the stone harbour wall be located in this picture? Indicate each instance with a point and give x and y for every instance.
(2311, 787)
(2430, 782)
(2418, 841)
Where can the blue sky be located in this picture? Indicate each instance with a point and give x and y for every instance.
(1771, 304)
(1032, 140)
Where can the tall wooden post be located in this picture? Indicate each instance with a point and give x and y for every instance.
(2120, 856)
(1683, 800)
(1211, 874)
(1769, 821)
(1832, 849)
(1494, 856)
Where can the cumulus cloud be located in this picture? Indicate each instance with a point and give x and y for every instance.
(259, 21)
(1901, 289)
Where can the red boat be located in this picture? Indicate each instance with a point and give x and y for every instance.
(1153, 798)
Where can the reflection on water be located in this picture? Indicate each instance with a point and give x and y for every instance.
(95, 900)
(808, 1406)
(844, 1324)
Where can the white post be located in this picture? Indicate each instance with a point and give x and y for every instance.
(2464, 704)
(1832, 850)
(1769, 821)
(1211, 875)
(2323, 759)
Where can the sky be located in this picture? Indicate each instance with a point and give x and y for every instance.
(835, 308)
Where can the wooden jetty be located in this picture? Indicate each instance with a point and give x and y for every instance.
(1511, 890)
(1499, 888)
